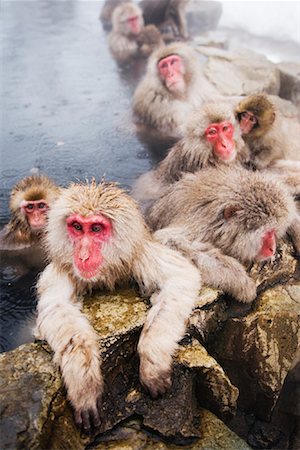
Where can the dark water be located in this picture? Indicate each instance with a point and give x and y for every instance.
(66, 110)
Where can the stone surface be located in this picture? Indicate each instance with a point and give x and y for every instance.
(258, 350)
(240, 72)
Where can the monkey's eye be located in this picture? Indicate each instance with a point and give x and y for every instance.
(212, 131)
(96, 227)
(29, 206)
(77, 226)
(42, 205)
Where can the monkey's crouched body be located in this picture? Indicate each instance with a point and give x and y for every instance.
(223, 217)
(97, 238)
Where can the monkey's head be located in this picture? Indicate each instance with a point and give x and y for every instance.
(256, 115)
(250, 213)
(30, 200)
(127, 19)
(95, 231)
(174, 67)
(214, 125)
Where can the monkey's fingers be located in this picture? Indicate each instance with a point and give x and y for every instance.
(156, 383)
(90, 419)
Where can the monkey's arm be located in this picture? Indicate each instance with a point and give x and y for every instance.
(176, 284)
(294, 232)
(74, 342)
(217, 270)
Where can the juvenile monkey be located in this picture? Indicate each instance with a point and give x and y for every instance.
(129, 37)
(212, 137)
(168, 15)
(172, 87)
(29, 202)
(222, 217)
(268, 135)
(97, 238)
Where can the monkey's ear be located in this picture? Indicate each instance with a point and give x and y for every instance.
(273, 117)
(230, 211)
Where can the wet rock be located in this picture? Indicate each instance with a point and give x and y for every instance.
(240, 72)
(36, 414)
(213, 387)
(214, 435)
(257, 350)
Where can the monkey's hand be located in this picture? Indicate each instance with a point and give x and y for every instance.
(81, 372)
(244, 289)
(155, 365)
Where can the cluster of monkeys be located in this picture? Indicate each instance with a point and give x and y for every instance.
(221, 198)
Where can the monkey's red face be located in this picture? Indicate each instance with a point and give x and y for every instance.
(220, 135)
(87, 235)
(171, 71)
(134, 24)
(247, 121)
(35, 212)
(268, 245)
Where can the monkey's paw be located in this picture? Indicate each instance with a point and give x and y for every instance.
(155, 378)
(245, 290)
(89, 419)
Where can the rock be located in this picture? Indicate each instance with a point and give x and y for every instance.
(240, 72)
(213, 387)
(214, 435)
(36, 414)
(257, 350)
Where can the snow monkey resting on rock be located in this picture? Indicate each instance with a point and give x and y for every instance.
(129, 37)
(212, 137)
(221, 217)
(29, 202)
(268, 135)
(96, 238)
(173, 86)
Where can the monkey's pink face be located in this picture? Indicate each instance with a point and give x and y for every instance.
(134, 24)
(268, 245)
(87, 235)
(35, 213)
(247, 121)
(220, 135)
(171, 72)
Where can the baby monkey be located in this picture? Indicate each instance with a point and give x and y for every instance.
(29, 202)
(266, 132)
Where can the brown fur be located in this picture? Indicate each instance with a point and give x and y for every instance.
(154, 106)
(192, 215)
(191, 153)
(272, 138)
(129, 253)
(107, 11)
(17, 232)
(123, 44)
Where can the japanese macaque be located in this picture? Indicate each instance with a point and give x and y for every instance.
(107, 11)
(212, 137)
(222, 218)
(96, 238)
(168, 15)
(129, 37)
(172, 87)
(30, 200)
(269, 136)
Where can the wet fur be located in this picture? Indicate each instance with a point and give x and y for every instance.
(165, 275)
